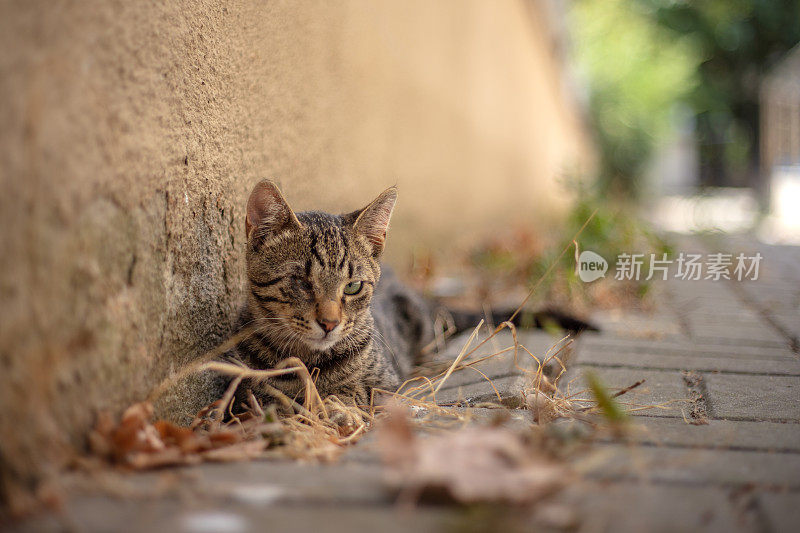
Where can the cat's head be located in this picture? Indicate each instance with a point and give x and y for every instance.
(311, 275)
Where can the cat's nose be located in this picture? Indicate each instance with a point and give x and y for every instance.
(329, 314)
(327, 325)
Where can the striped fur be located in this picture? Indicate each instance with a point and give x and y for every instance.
(297, 268)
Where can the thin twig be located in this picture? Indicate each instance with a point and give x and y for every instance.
(460, 356)
(627, 389)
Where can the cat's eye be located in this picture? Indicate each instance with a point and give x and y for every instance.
(354, 287)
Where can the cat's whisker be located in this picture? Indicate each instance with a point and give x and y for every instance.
(323, 268)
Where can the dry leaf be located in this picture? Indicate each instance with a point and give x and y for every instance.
(473, 464)
(135, 433)
(138, 443)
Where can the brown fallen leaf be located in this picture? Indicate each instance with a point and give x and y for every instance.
(135, 433)
(469, 465)
(184, 438)
(139, 443)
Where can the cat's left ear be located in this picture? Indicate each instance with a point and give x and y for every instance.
(373, 220)
(268, 211)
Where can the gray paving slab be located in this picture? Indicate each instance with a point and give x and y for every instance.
(788, 320)
(761, 341)
(698, 466)
(538, 342)
(274, 481)
(638, 325)
(689, 361)
(691, 296)
(737, 333)
(740, 435)
(750, 319)
(781, 510)
(107, 514)
(696, 304)
(501, 365)
(635, 507)
(290, 481)
(508, 388)
(753, 397)
(662, 394)
(683, 347)
(775, 299)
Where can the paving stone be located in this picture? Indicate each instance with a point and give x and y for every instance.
(661, 387)
(789, 321)
(753, 397)
(633, 325)
(767, 339)
(780, 298)
(509, 388)
(685, 347)
(782, 511)
(698, 466)
(627, 507)
(106, 514)
(511, 418)
(695, 303)
(277, 481)
(691, 361)
(737, 333)
(690, 296)
(290, 481)
(722, 317)
(740, 435)
(539, 343)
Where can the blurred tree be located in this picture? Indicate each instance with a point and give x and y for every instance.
(739, 41)
(642, 58)
(635, 71)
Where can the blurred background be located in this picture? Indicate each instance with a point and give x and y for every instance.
(133, 132)
(694, 98)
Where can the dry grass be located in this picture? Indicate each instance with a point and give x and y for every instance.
(310, 427)
(305, 427)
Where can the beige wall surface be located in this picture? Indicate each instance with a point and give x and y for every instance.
(132, 132)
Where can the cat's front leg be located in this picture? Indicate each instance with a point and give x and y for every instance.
(346, 408)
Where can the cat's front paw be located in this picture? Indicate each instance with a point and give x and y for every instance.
(347, 418)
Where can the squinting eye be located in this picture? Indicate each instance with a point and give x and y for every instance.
(354, 287)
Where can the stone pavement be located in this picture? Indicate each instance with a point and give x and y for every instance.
(715, 445)
(727, 351)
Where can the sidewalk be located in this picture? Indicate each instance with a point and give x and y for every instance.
(729, 350)
(720, 448)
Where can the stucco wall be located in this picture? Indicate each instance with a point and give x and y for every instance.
(132, 132)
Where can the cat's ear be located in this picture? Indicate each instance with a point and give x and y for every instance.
(268, 211)
(373, 220)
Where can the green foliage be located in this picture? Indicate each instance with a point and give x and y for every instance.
(613, 228)
(643, 58)
(636, 71)
(608, 406)
(738, 41)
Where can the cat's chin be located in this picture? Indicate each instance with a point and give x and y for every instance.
(320, 345)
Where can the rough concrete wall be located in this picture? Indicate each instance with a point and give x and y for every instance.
(132, 132)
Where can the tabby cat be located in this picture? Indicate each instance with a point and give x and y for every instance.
(315, 292)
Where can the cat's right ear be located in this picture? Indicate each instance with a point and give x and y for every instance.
(268, 213)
